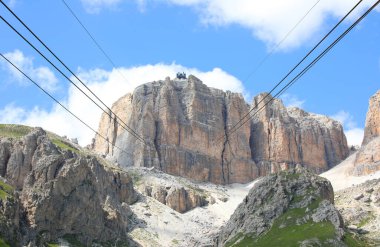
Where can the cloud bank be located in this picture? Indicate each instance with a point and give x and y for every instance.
(353, 133)
(269, 21)
(41, 74)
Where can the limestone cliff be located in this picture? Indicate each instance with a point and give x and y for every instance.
(180, 120)
(368, 156)
(59, 190)
(281, 136)
(184, 124)
(372, 124)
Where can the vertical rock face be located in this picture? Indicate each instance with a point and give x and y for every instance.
(368, 156)
(282, 136)
(372, 124)
(181, 122)
(185, 124)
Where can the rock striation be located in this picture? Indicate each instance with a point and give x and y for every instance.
(62, 192)
(372, 124)
(281, 136)
(368, 156)
(185, 125)
(290, 208)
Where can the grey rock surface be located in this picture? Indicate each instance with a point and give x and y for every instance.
(362, 215)
(61, 192)
(282, 201)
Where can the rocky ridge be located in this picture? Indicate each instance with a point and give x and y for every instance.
(182, 119)
(56, 190)
(291, 208)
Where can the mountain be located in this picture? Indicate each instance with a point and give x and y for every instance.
(51, 188)
(186, 127)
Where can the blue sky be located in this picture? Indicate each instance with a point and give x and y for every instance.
(220, 41)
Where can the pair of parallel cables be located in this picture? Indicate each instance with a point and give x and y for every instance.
(231, 130)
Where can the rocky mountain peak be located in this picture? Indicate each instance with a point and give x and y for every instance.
(186, 123)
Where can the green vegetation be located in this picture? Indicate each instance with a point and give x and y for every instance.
(72, 240)
(3, 243)
(175, 242)
(13, 130)
(52, 245)
(115, 244)
(5, 190)
(136, 177)
(291, 236)
(366, 220)
(63, 145)
(289, 175)
(354, 241)
(287, 230)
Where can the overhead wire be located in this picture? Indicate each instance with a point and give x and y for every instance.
(231, 130)
(60, 71)
(307, 68)
(93, 38)
(271, 52)
(117, 118)
(59, 103)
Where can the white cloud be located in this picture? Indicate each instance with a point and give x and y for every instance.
(109, 86)
(353, 133)
(43, 75)
(269, 21)
(346, 119)
(354, 136)
(12, 3)
(94, 6)
(292, 101)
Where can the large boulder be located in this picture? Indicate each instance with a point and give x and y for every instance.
(291, 208)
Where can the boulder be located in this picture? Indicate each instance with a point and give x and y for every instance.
(279, 205)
